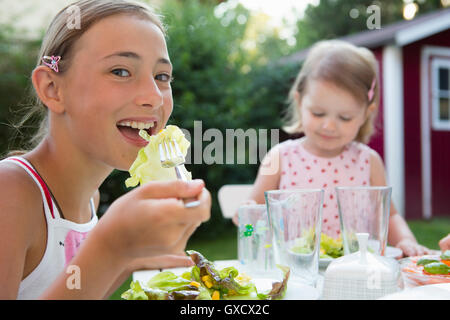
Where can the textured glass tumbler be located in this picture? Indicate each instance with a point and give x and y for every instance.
(296, 220)
(255, 250)
(364, 210)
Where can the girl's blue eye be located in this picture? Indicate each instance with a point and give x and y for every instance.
(345, 119)
(317, 114)
(121, 73)
(164, 77)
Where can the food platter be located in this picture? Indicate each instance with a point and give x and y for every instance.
(414, 275)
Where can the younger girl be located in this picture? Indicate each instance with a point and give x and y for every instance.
(95, 84)
(333, 102)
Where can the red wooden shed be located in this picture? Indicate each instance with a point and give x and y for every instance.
(414, 120)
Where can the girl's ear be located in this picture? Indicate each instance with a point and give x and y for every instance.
(46, 85)
(370, 109)
(298, 98)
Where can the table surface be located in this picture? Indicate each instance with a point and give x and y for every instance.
(433, 292)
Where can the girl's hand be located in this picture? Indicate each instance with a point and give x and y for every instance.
(412, 248)
(152, 220)
(161, 262)
(444, 244)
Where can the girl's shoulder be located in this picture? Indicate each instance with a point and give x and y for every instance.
(289, 144)
(19, 194)
(369, 154)
(360, 148)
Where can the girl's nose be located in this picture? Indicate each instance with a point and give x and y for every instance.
(149, 94)
(329, 124)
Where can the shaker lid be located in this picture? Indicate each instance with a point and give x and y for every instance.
(363, 264)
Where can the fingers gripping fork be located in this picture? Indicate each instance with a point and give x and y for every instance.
(171, 156)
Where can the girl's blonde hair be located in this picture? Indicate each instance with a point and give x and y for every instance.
(61, 37)
(349, 67)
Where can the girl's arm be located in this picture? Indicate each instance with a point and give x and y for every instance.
(149, 221)
(268, 178)
(399, 233)
(21, 219)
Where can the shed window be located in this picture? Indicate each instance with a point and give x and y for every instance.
(441, 93)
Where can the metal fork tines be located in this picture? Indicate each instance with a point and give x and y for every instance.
(171, 156)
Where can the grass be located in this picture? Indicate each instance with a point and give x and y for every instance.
(224, 245)
(429, 232)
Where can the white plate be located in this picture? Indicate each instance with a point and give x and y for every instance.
(440, 291)
(295, 289)
(391, 252)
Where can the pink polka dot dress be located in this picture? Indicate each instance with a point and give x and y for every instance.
(301, 169)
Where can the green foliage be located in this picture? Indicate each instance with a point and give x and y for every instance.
(16, 62)
(331, 18)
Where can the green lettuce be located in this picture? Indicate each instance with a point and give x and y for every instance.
(229, 287)
(202, 282)
(163, 286)
(147, 165)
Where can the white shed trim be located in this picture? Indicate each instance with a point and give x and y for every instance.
(393, 123)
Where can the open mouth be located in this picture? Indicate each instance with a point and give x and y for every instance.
(130, 130)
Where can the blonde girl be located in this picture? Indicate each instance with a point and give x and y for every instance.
(333, 102)
(91, 83)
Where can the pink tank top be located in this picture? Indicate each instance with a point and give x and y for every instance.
(301, 169)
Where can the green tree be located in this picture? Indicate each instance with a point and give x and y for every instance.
(331, 18)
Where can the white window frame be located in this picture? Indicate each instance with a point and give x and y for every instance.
(428, 52)
(436, 63)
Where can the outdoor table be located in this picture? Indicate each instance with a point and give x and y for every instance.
(440, 291)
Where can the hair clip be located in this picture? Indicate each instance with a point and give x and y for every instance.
(371, 92)
(51, 62)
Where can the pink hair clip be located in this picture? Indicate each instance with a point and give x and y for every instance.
(51, 62)
(371, 92)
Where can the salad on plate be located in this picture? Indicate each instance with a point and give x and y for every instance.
(204, 282)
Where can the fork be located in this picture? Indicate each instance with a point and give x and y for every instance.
(171, 156)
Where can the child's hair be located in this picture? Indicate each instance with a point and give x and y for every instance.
(349, 67)
(60, 38)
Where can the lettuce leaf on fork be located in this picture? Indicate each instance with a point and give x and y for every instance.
(147, 166)
(204, 282)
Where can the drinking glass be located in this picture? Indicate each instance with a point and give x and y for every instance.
(364, 210)
(296, 219)
(255, 240)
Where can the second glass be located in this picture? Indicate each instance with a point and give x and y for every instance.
(296, 220)
(366, 210)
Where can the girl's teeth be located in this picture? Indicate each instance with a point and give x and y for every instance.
(137, 125)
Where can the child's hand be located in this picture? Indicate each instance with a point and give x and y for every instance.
(444, 244)
(152, 220)
(412, 248)
(235, 218)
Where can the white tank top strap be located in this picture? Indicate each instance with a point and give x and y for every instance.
(49, 207)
